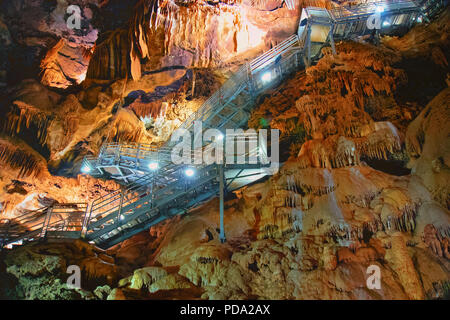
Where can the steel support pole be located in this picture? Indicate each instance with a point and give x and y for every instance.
(5, 234)
(137, 155)
(331, 35)
(87, 215)
(308, 46)
(119, 211)
(48, 218)
(221, 196)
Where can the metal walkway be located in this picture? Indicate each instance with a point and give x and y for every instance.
(156, 189)
(55, 221)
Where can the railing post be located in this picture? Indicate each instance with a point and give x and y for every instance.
(137, 155)
(46, 223)
(85, 222)
(308, 46)
(119, 211)
(331, 35)
(88, 218)
(5, 233)
(152, 182)
(251, 84)
(117, 154)
(221, 209)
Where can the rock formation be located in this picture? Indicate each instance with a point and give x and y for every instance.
(364, 139)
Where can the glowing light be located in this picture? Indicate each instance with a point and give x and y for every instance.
(82, 77)
(419, 19)
(122, 217)
(153, 165)
(85, 169)
(266, 77)
(380, 9)
(189, 172)
(220, 137)
(386, 24)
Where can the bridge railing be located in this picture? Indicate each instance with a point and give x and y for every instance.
(55, 220)
(364, 10)
(431, 7)
(269, 56)
(27, 225)
(118, 200)
(72, 215)
(226, 92)
(140, 204)
(276, 72)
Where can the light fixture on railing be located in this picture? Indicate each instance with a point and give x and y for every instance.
(266, 77)
(153, 166)
(85, 169)
(380, 9)
(189, 172)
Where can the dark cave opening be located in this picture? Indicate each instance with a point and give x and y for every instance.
(390, 166)
(425, 80)
(253, 266)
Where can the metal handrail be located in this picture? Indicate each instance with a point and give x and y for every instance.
(21, 230)
(204, 175)
(266, 58)
(343, 12)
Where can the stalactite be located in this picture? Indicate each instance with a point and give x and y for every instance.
(318, 190)
(123, 51)
(126, 127)
(109, 59)
(293, 200)
(22, 114)
(379, 144)
(295, 186)
(269, 231)
(15, 155)
(405, 221)
(153, 109)
(362, 200)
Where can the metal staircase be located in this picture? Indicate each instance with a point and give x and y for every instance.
(150, 196)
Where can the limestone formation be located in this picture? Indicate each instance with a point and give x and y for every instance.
(364, 152)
